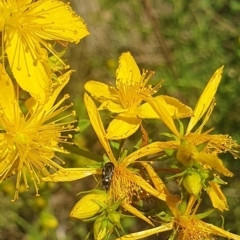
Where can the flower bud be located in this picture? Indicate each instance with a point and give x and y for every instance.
(192, 182)
(102, 228)
(114, 217)
(205, 174)
(88, 205)
(48, 221)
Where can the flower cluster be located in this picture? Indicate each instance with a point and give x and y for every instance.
(192, 156)
(32, 131)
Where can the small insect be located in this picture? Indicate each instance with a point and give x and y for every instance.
(107, 173)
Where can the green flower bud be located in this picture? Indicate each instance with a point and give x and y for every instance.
(88, 205)
(192, 182)
(48, 221)
(102, 228)
(205, 174)
(114, 217)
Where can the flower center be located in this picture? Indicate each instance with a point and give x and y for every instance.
(130, 94)
(122, 185)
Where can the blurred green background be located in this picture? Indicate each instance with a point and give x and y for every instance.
(184, 43)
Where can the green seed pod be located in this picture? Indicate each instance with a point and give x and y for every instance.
(88, 205)
(192, 182)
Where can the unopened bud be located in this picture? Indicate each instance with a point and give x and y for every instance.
(102, 228)
(114, 217)
(88, 205)
(192, 182)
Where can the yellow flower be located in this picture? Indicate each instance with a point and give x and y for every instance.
(126, 182)
(186, 144)
(30, 136)
(27, 26)
(126, 99)
(184, 227)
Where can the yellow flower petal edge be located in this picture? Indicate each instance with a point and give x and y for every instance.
(71, 174)
(205, 99)
(146, 233)
(97, 125)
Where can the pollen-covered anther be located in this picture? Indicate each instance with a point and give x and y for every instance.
(189, 228)
(66, 96)
(223, 143)
(122, 184)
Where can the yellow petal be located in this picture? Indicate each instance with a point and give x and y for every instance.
(213, 161)
(26, 65)
(8, 101)
(123, 126)
(150, 149)
(97, 125)
(218, 199)
(135, 212)
(161, 109)
(180, 110)
(112, 107)
(146, 233)
(100, 91)
(175, 108)
(57, 21)
(205, 99)
(214, 230)
(71, 174)
(128, 72)
(146, 111)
